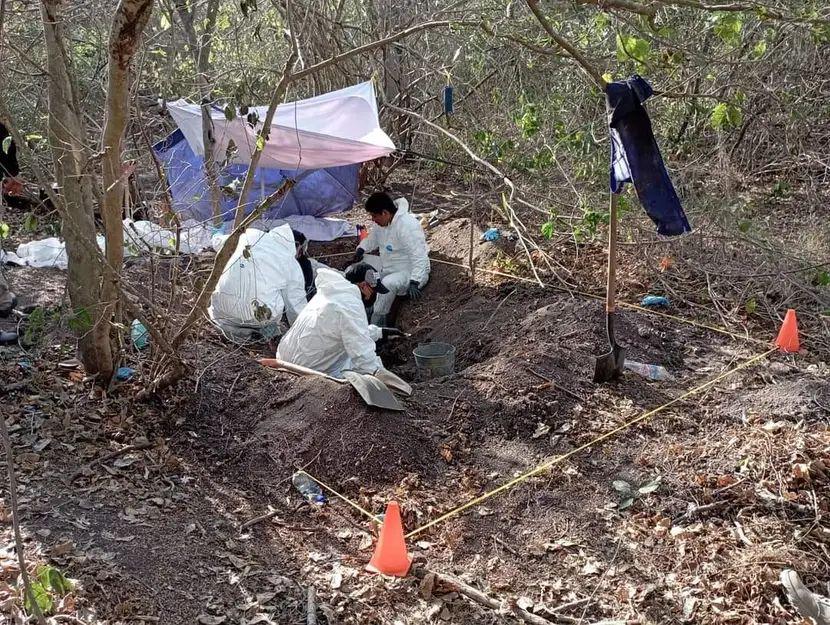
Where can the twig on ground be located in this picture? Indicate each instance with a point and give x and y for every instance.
(109, 456)
(18, 539)
(258, 519)
(695, 510)
(501, 303)
(311, 605)
(482, 599)
(556, 385)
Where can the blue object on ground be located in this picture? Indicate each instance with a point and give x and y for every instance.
(491, 234)
(124, 373)
(655, 301)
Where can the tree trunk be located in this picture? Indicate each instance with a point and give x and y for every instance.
(71, 160)
(200, 48)
(128, 23)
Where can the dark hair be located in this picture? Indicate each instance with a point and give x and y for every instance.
(379, 202)
(356, 274)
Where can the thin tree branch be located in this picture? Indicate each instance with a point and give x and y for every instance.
(563, 43)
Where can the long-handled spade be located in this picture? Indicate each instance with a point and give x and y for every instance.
(610, 366)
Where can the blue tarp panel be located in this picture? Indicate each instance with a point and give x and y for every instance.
(317, 193)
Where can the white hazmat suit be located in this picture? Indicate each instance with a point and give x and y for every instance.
(261, 280)
(404, 257)
(332, 334)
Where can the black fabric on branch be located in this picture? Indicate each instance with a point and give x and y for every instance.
(9, 166)
(636, 158)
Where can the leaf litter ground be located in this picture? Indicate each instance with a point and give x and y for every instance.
(686, 518)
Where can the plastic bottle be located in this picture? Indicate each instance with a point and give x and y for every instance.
(139, 334)
(652, 372)
(308, 488)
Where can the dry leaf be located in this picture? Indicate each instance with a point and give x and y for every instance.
(427, 585)
(209, 619)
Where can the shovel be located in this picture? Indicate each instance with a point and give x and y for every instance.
(610, 366)
(371, 390)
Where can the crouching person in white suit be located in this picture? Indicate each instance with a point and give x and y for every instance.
(403, 260)
(261, 280)
(332, 334)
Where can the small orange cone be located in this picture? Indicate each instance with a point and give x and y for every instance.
(390, 557)
(787, 339)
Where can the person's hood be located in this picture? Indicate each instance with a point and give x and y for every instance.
(331, 283)
(403, 207)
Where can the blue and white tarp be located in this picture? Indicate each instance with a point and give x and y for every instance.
(319, 142)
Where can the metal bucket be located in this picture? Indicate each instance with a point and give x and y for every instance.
(434, 360)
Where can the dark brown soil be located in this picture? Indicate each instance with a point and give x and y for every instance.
(155, 532)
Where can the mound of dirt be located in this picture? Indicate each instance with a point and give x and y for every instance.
(273, 422)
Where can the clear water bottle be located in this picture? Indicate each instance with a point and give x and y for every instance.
(651, 372)
(308, 488)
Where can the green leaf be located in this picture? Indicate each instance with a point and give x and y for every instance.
(4, 230)
(164, 21)
(548, 229)
(53, 579)
(725, 115)
(744, 225)
(260, 143)
(7, 144)
(42, 598)
(751, 306)
(650, 487)
(632, 48)
(728, 27)
(30, 222)
(80, 321)
(822, 278)
(621, 486)
(759, 49)
(607, 77)
(625, 503)
(230, 113)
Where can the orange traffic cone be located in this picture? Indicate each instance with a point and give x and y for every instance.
(390, 557)
(787, 339)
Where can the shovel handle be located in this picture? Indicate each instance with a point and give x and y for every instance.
(611, 287)
(276, 363)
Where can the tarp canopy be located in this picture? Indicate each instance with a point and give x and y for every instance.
(329, 130)
(319, 142)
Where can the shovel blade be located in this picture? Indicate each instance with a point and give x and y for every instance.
(373, 391)
(609, 366)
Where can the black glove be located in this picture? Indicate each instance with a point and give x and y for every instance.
(387, 332)
(358, 255)
(414, 291)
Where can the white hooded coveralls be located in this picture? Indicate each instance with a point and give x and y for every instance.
(332, 334)
(404, 256)
(261, 280)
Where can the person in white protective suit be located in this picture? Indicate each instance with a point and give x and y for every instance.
(261, 280)
(403, 260)
(332, 334)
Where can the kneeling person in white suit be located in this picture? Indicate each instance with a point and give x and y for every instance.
(332, 333)
(261, 280)
(403, 259)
